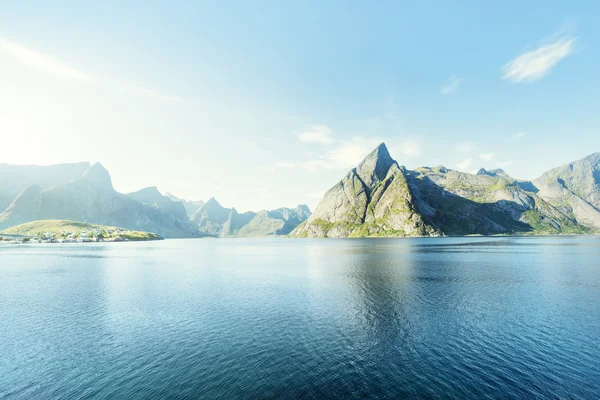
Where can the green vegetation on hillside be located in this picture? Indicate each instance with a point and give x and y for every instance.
(73, 230)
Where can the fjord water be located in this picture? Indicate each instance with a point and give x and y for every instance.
(283, 318)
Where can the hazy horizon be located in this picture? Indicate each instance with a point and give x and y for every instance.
(266, 108)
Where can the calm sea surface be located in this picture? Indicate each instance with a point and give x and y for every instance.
(282, 318)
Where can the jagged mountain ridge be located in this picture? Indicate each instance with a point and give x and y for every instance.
(373, 199)
(381, 198)
(16, 178)
(574, 189)
(212, 219)
(91, 198)
(190, 206)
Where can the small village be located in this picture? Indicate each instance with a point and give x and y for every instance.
(84, 236)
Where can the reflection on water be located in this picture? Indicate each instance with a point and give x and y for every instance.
(385, 318)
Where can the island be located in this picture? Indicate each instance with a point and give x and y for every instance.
(64, 231)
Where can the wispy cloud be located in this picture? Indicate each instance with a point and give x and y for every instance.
(504, 164)
(451, 85)
(465, 147)
(310, 165)
(342, 154)
(536, 64)
(519, 135)
(346, 153)
(42, 62)
(465, 164)
(486, 156)
(144, 92)
(408, 149)
(350, 153)
(317, 134)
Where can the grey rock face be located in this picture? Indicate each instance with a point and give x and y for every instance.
(190, 206)
(463, 204)
(574, 189)
(215, 220)
(373, 199)
(91, 198)
(16, 178)
(381, 198)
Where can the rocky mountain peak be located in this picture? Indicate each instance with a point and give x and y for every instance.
(212, 203)
(375, 166)
(303, 209)
(97, 175)
(151, 191)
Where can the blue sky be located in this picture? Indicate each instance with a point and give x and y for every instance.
(269, 104)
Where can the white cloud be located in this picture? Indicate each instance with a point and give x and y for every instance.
(349, 154)
(317, 134)
(536, 64)
(465, 164)
(34, 59)
(144, 92)
(465, 147)
(504, 164)
(519, 135)
(486, 156)
(406, 150)
(310, 165)
(346, 154)
(451, 85)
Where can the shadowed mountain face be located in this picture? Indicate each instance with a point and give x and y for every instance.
(91, 198)
(574, 189)
(212, 219)
(190, 206)
(381, 198)
(16, 178)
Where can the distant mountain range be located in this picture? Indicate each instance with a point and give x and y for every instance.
(377, 198)
(84, 192)
(381, 198)
(215, 220)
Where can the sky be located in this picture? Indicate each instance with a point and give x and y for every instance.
(268, 104)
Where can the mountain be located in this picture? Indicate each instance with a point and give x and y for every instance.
(16, 178)
(190, 206)
(373, 199)
(212, 219)
(493, 172)
(381, 198)
(91, 198)
(281, 221)
(459, 203)
(172, 212)
(574, 189)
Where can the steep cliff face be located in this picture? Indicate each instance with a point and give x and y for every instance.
(381, 198)
(171, 213)
(92, 198)
(485, 204)
(190, 206)
(574, 189)
(373, 199)
(210, 218)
